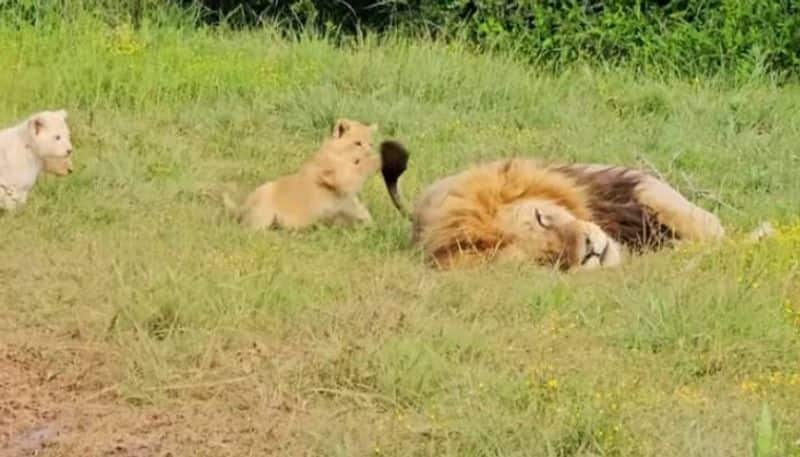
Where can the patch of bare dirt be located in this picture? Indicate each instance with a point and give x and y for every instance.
(61, 402)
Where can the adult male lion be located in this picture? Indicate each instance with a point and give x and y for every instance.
(573, 217)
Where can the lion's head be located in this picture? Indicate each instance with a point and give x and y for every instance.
(547, 233)
(346, 171)
(346, 159)
(348, 135)
(49, 134)
(511, 210)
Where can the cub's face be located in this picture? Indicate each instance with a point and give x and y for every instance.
(358, 165)
(551, 235)
(346, 170)
(348, 133)
(347, 157)
(50, 134)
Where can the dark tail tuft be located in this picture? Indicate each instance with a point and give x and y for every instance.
(394, 159)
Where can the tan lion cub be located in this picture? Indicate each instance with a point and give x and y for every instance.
(324, 189)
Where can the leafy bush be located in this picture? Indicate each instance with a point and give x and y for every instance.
(744, 38)
(690, 37)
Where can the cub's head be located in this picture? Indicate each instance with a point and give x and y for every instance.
(354, 131)
(346, 159)
(349, 134)
(50, 134)
(58, 166)
(549, 234)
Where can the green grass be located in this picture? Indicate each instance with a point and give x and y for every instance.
(673, 354)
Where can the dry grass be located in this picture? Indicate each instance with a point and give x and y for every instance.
(200, 339)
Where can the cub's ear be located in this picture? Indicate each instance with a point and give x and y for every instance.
(341, 127)
(373, 127)
(62, 113)
(327, 178)
(36, 124)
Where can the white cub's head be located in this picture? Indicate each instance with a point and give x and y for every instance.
(50, 134)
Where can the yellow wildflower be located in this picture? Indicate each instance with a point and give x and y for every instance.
(749, 386)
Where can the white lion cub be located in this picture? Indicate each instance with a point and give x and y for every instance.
(39, 143)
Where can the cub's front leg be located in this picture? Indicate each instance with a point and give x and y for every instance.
(350, 211)
(11, 199)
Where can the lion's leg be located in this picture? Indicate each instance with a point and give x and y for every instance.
(11, 200)
(258, 211)
(361, 211)
(689, 221)
(353, 210)
(259, 218)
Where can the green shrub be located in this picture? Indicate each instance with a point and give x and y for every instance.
(687, 37)
(742, 38)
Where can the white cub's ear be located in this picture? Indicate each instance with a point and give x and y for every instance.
(36, 124)
(62, 113)
(341, 127)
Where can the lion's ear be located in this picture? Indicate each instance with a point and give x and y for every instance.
(341, 127)
(327, 178)
(62, 113)
(36, 124)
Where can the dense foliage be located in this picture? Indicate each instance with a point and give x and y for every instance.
(681, 36)
(744, 38)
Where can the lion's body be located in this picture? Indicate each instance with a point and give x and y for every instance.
(324, 189)
(575, 216)
(297, 201)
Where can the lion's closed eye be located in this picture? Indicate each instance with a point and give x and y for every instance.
(542, 220)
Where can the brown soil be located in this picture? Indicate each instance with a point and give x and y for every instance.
(59, 402)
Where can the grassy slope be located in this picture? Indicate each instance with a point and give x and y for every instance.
(669, 355)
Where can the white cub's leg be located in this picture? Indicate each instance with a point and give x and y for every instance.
(11, 199)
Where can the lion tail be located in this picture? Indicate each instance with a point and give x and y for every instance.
(394, 160)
